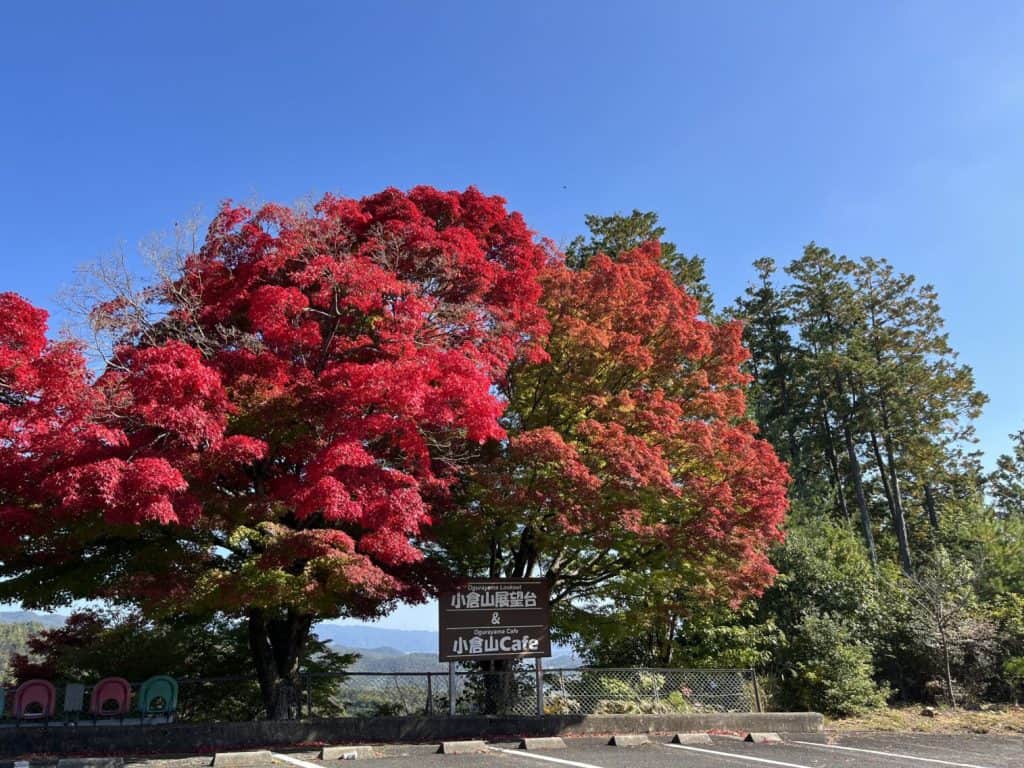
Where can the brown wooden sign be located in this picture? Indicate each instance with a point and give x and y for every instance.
(495, 619)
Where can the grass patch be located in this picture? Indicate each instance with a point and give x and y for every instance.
(1000, 720)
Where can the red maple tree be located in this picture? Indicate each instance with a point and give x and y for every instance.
(277, 441)
(317, 399)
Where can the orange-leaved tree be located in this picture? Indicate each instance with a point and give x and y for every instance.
(630, 456)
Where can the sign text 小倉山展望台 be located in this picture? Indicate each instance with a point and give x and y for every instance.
(495, 619)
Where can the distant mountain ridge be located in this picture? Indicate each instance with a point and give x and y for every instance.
(358, 636)
(419, 647)
(382, 648)
(31, 617)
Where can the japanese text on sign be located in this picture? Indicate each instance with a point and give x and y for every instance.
(495, 618)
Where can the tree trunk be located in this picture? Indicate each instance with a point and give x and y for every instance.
(833, 463)
(882, 474)
(895, 507)
(899, 518)
(794, 445)
(929, 505)
(670, 641)
(277, 645)
(949, 671)
(858, 487)
(499, 689)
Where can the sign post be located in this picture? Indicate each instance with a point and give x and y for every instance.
(539, 669)
(491, 619)
(451, 689)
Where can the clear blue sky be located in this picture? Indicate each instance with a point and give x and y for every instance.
(876, 128)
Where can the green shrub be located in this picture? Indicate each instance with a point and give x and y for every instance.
(677, 702)
(557, 704)
(827, 670)
(617, 707)
(1013, 671)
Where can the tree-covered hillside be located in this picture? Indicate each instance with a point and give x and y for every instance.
(14, 637)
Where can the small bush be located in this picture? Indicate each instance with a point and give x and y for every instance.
(1013, 671)
(829, 671)
(617, 707)
(678, 702)
(557, 704)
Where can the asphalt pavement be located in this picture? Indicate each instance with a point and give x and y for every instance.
(875, 750)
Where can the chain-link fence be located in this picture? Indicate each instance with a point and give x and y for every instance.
(511, 691)
(565, 691)
(650, 691)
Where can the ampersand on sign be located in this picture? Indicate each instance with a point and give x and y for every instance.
(495, 618)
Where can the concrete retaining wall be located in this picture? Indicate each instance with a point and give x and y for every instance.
(202, 738)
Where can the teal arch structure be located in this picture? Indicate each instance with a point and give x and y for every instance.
(157, 689)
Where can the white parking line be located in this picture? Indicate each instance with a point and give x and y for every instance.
(545, 758)
(736, 756)
(294, 760)
(890, 754)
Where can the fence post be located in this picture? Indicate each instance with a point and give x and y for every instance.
(451, 689)
(757, 691)
(539, 670)
(430, 694)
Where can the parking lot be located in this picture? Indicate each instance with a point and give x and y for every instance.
(876, 750)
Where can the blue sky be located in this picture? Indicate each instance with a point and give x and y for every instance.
(876, 128)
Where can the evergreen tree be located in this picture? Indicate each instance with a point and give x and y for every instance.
(828, 316)
(919, 400)
(619, 233)
(775, 401)
(856, 384)
(1006, 484)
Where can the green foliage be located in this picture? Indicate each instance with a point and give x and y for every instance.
(951, 623)
(619, 233)
(827, 669)
(824, 569)
(1006, 484)
(828, 606)
(857, 385)
(1013, 669)
(718, 637)
(14, 638)
(678, 702)
(646, 695)
(991, 542)
(210, 657)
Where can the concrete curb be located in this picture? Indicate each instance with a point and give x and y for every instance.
(629, 740)
(361, 752)
(691, 738)
(763, 737)
(208, 738)
(243, 759)
(472, 747)
(542, 742)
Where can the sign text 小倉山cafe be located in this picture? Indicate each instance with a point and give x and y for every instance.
(495, 619)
